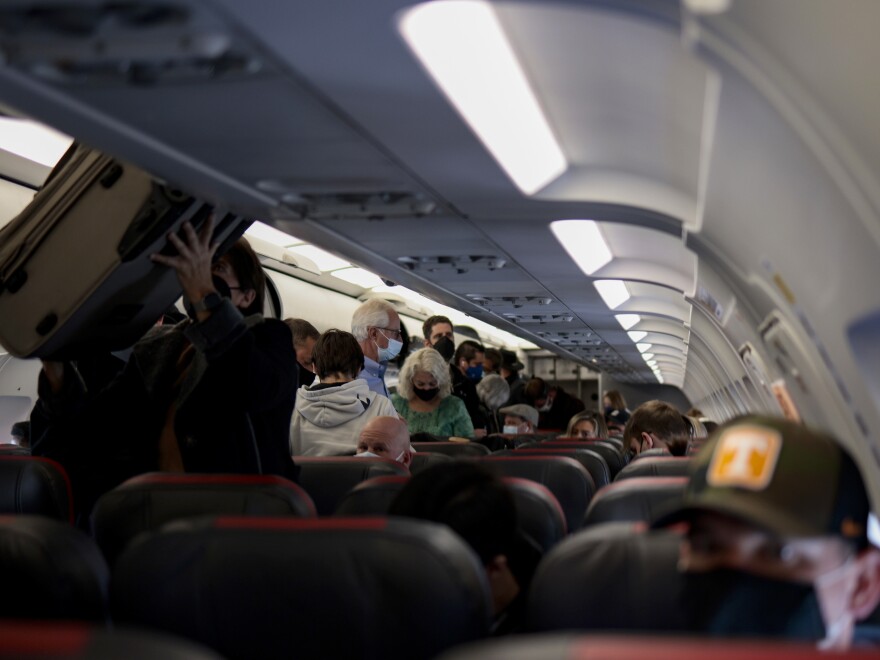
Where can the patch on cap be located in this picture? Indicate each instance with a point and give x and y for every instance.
(745, 456)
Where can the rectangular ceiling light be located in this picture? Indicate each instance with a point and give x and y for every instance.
(628, 320)
(323, 260)
(613, 292)
(584, 243)
(636, 335)
(464, 48)
(643, 347)
(647, 356)
(358, 276)
(33, 141)
(270, 234)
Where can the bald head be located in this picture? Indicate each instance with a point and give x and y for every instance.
(387, 437)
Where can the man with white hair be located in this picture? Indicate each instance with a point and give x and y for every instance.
(376, 326)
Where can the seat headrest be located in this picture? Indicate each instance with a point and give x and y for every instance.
(328, 478)
(285, 587)
(655, 466)
(50, 570)
(538, 512)
(640, 499)
(609, 577)
(591, 460)
(81, 641)
(146, 502)
(372, 497)
(424, 460)
(567, 479)
(35, 485)
(457, 449)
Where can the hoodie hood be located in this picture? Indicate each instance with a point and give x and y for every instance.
(332, 406)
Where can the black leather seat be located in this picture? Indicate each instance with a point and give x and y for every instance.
(537, 510)
(148, 501)
(320, 588)
(424, 460)
(328, 479)
(456, 449)
(640, 499)
(67, 640)
(567, 479)
(36, 485)
(14, 450)
(609, 577)
(592, 461)
(655, 466)
(50, 570)
(613, 456)
(372, 497)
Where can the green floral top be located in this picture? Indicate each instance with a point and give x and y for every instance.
(450, 417)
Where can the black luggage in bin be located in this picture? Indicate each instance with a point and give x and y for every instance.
(75, 270)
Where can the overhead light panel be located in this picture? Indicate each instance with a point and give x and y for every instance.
(36, 142)
(358, 276)
(647, 356)
(643, 347)
(324, 260)
(583, 241)
(270, 234)
(652, 363)
(628, 320)
(637, 335)
(613, 292)
(464, 48)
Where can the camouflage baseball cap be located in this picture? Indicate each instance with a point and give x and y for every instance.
(778, 475)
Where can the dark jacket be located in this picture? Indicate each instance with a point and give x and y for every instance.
(465, 389)
(232, 413)
(564, 407)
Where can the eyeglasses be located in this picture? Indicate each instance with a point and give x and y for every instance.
(396, 332)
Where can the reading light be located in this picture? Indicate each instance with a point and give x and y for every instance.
(637, 335)
(324, 260)
(358, 276)
(33, 141)
(628, 320)
(643, 347)
(463, 47)
(613, 292)
(584, 243)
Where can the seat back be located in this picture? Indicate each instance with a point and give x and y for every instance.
(146, 502)
(372, 497)
(424, 460)
(456, 449)
(14, 450)
(609, 577)
(655, 466)
(328, 478)
(320, 588)
(612, 454)
(567, 479)
(538, 512)
(640, 499)
(35, 485)
(50, 570)
(593, 462)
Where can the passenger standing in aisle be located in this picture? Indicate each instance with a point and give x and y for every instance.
(376, 326)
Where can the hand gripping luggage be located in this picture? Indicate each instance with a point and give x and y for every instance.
(75, 270)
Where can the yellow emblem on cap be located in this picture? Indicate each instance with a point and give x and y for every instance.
(745, 456)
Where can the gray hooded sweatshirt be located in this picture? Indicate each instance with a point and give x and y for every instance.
(328, 421)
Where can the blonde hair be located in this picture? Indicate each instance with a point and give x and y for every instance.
(429, 361)
(600, 429)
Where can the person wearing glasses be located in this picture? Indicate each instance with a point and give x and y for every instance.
(376, 327)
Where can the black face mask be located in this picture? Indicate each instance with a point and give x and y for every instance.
(306, 377)
(219, 284)
(728, 603)
(446, 347)
(426, 395)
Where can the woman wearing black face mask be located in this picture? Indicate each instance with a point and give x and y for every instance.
(424, 400)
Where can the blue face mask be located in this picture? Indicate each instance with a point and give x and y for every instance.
(391, 351)
(474, 373)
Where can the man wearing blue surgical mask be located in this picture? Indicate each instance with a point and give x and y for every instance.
(466, 369)
(777, 544)
(376, 327)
